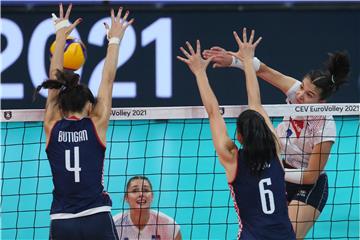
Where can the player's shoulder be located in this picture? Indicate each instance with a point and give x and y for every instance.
(160, 216)
(118, 217)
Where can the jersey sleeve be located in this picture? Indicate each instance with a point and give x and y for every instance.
(291, 93)
(325, 132)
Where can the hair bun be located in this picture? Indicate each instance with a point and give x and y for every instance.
(69, 78)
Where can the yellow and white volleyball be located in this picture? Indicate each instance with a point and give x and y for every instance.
(74, 53)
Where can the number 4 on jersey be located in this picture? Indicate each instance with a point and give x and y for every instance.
(76, 169)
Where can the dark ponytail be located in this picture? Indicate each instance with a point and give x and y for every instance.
(335, 74)
(259, 142)
(72, 96)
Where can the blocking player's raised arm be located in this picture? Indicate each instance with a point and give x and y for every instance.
(62, 29)
(115, 33)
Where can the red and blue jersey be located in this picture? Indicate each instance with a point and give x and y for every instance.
(260, 202)
(76, 157)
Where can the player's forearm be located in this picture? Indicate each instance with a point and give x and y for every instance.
(252, 85)
(104, 102)
(57, 60)
(56, 63)
(275, 78)
(110, 65)
(301, 176)
(207, 96)
(270, 75)
(310, 177)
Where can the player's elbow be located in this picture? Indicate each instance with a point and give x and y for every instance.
(178, 236)
(108, 74)
(108, 77)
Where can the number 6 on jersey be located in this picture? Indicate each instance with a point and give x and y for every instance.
(76, 169)
(266, 192)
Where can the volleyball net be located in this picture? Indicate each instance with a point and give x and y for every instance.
(173, 148)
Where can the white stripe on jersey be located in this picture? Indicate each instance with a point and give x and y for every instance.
(87, 212)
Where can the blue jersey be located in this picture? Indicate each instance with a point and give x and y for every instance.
(76, 158)
(260, 202)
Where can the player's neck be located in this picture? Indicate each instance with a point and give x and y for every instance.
(140, 217)
(75, 115)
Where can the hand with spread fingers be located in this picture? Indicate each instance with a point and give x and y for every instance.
(246, 47)
(193, 59)
(118, 24)
(62, 29)
(62, 24)
(221, 58)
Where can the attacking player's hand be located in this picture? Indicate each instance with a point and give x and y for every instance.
(118, 24)
(246, 47)
(62, 24)
(221, 58)
(193, 59)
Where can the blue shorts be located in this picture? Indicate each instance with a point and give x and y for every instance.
(314, 195)
(96, 226)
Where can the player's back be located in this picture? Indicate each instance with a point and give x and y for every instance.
(76, 158)
(260, 202)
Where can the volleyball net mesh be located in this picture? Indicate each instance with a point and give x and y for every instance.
(173, 148)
